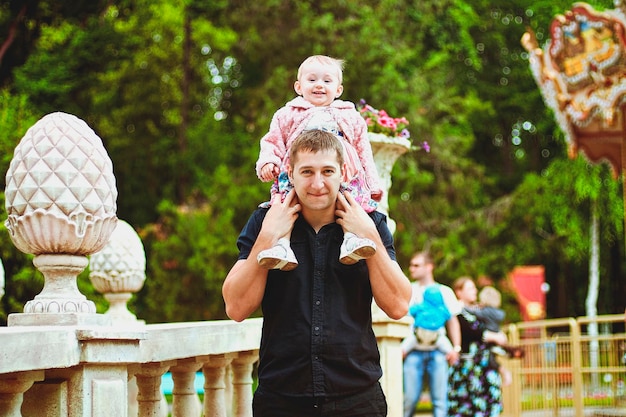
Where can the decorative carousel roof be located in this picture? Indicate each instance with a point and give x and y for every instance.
(581, 72)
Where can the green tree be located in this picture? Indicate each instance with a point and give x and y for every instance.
(182, 92)
(23, 21)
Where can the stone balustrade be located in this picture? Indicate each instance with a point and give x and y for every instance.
(74, 371)
(84, 371)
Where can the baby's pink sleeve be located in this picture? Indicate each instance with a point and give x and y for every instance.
(273, 145)
(366, 156)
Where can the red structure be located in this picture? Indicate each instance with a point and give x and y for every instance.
(529, 285)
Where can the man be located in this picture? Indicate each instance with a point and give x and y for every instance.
(318, 354)
(422, 357)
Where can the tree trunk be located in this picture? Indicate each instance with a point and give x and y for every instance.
(592, 291)
(11, 33)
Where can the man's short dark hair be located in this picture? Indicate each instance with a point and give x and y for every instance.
(316, 141)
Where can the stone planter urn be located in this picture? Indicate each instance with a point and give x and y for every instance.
(386, 151)
(119, 270)
(61, 205)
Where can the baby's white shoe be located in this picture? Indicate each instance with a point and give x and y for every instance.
(355, 248)
(280, 256)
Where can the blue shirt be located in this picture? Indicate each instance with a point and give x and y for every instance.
(317, 338)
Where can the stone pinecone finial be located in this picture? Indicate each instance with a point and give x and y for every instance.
(60, 189)
(121, 265)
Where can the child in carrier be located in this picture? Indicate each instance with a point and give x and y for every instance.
(429, 320)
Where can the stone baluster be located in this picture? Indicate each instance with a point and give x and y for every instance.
(242, 383)
(214, 370)
(186, 402)
(118, 271)
(389, 334)
(149, 397)
(61, 203)
(12, 389)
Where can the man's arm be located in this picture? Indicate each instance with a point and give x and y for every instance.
(390, 287)
(453, 328)
(244, 286)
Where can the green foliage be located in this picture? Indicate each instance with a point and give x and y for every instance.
(192, 249)
(181, 92)
(22, 22)
(183, 282)
(22, 282)
(535, 225)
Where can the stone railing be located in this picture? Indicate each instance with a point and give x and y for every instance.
(61, 358)
(104, 371)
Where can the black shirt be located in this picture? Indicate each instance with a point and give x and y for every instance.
(317, 338)
(472, 330)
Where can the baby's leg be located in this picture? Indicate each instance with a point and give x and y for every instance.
(355, 248)
(280, 256)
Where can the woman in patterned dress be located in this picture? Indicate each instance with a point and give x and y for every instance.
(474, 381)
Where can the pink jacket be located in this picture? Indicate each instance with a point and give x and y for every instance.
(289, 121)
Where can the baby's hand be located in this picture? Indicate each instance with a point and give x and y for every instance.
(269, 172)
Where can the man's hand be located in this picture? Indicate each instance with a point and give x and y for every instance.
(452, 357)
(352, 217)
(281, 216)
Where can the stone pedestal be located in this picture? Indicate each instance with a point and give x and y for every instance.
(60, 302)
(389, 333)
(61, 205)
(386, 151)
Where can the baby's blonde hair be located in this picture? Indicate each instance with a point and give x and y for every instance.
(326, 60)
(490, 297)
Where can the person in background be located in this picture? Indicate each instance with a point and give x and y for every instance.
(422, 357)
(318, 354)
(489, 312)
(319, 83)
(474, 381)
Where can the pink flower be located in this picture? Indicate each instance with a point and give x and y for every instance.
(378, 121)
(387, 121)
